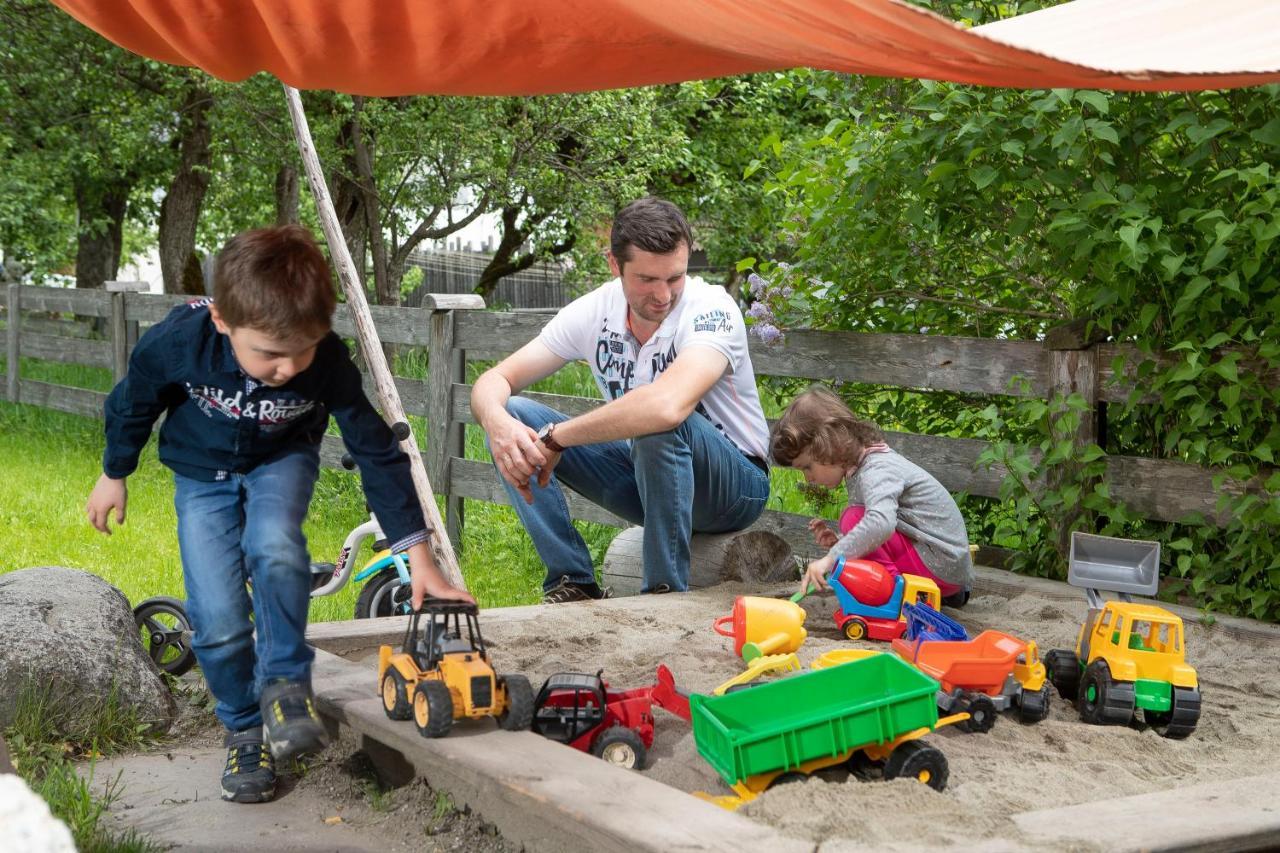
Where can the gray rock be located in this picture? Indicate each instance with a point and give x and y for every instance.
(74, 632)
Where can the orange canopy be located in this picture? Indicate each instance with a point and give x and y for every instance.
(523, 47)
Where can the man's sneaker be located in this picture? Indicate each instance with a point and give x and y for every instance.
(250, 774)
(567, 591)
(658, 589)
(290, 721)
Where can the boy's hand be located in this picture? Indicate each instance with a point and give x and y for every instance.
(822, 534)
(816, 575)
(107, 494)
(426, 579)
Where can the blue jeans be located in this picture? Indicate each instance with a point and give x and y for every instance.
(673, 483)
(248, 527)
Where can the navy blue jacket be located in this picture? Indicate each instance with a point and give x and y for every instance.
(220, 421)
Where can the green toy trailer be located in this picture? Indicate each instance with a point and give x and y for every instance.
(870, 712)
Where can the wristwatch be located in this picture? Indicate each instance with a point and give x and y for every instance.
(545, 436)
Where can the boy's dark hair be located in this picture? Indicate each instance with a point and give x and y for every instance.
(276, 281)
(650, 224)
(818, 421)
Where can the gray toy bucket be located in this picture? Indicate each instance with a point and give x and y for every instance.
(1117, 565)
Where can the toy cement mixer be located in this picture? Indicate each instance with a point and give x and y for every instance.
(871, 598)
(763, 626)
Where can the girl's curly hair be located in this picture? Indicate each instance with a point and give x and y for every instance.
(818, 421)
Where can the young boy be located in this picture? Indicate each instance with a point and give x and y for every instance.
(248, 381)
(898, 514)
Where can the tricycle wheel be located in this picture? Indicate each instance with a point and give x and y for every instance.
(395, 695)
(1033, 705)
(1063, 668)
(855, 628)
(621, 747)
(1104, 701)
(383, 595)
(518, 714)
(918, 760)
(1180, 720)
(981, 710)
(166, 634)
(432, 709)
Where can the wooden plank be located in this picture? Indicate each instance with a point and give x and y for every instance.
(1116, 386)
(66, 350)
(395, 325)
(413, 395)
(13, 343)
(1166, 490)
(460, 410)
(119, 328)
(63, 398)
(152, 307)
(489, 332)
(441, 428)
(452, 301)
(1232, 814)
(87, 303)
(471, 478)
(540, 795)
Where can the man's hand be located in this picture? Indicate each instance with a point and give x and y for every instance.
(107, 494)
(426, 580)
(822, 534)
(816, 575)
(518, 454)
(544, 472)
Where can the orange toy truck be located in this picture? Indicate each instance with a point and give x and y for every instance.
(983, 676)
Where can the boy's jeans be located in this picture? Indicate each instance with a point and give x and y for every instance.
(672, 483)
(248, 526)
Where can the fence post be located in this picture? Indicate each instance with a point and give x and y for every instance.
(120, 343)
(446, 438)
(1073, 369)
(13, 369)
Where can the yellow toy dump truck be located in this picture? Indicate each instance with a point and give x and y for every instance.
(1129, 656)
(440, 676)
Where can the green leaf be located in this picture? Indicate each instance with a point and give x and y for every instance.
(940, 171)
(982, 176)
(1269, 133)
(745, 264)
(1097, 100)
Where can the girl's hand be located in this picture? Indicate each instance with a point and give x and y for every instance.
(815, 575)
(822, 534)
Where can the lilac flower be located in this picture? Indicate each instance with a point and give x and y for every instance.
(760, 311)
(767, 332)
(757, 285)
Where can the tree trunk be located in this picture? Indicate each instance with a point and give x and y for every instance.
(287, 195)
(180, 210)
(101, 205)
(505, 260)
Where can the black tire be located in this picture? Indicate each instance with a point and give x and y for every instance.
(1033, 705)
(1104, 701)
(918, 760)
(981, 710)
(432, 709)
(1063, 669)
(166, 634)
(1180, 720)
(789, 778)
(395, 695)
(382, 595)
(855, 629)
(864, 766)
(621, 747)
(518, 715)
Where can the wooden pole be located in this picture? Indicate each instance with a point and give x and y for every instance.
(367, 336)
(14, 352)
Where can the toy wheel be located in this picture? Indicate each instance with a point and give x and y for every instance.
(864, 766)
(518, 715)
(1180, 720)
(166, 634)
(918, 760)
(981, 710)
(1033, 705)
(1063, 669)
(621, 747)
(788, 779)
(432, 709)
(1104, 701)
(395, 695)
(383, 595)
(855, 629)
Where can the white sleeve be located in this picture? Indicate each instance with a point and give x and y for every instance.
(566, 335)
(718, 324)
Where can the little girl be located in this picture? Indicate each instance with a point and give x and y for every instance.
(898, 514)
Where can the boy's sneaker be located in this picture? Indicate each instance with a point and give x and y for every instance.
(568, 590)
(290, 721)
(956, 600)
(250, 774)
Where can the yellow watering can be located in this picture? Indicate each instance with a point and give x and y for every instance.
(763, 626)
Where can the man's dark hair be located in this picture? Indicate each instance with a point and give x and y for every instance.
(650, 224)
(276, 281)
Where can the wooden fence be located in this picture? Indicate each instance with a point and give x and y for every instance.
(1156, 489)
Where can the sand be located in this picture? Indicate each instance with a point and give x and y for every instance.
(1014, 768)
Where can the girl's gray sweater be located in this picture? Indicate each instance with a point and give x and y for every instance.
(900, 495)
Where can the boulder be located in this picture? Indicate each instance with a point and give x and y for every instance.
(72, 632)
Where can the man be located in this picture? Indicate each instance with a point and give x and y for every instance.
(679, 447)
